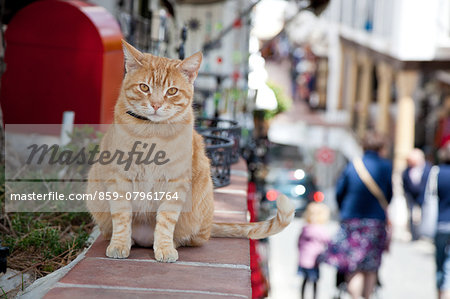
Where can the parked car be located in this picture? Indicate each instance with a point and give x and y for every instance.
(296, 184)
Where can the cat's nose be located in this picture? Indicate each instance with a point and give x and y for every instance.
(156, 106)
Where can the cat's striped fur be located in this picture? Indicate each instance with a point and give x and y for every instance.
(161, 90)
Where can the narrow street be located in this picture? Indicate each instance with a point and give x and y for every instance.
(408, 269)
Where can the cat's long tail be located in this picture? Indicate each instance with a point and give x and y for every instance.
(258, 230)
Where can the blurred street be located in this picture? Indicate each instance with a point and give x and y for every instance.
(407, 270)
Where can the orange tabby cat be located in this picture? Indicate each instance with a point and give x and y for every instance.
(155, 107)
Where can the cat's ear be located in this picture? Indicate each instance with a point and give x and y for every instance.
(133, 57)
(191, 65)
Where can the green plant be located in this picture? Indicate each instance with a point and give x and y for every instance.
(284, 102)
(43, 242)
(3, 293)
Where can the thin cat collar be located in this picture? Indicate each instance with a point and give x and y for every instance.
(137, 115)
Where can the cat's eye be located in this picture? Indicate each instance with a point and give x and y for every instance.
(144, 87)
(171, 91)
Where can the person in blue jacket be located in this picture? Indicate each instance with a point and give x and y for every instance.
(357, 248)
(415, 178)
(442, 238)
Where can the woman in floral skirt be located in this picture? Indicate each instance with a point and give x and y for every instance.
(361, 240)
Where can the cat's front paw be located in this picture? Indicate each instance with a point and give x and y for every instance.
(166, 254)
(118, 251)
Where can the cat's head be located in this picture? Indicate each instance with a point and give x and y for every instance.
(156, 89)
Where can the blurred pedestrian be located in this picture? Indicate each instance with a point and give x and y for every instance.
(311, 242)
(415, 179)
(439, 179)
(363, 193)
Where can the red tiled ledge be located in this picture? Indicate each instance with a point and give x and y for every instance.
(218, 269)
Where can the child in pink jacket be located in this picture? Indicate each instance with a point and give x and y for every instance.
(312, 242)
